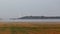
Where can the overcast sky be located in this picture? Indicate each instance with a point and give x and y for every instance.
(18, 8)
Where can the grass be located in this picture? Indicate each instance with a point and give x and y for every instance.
(23, 29)
(29, 28)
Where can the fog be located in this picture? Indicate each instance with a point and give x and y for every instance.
(18, 8)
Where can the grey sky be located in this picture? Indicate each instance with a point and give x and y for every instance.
(18, 8)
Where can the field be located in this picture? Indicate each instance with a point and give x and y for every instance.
(30, 28)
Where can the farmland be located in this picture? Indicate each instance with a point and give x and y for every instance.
(29, 28)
